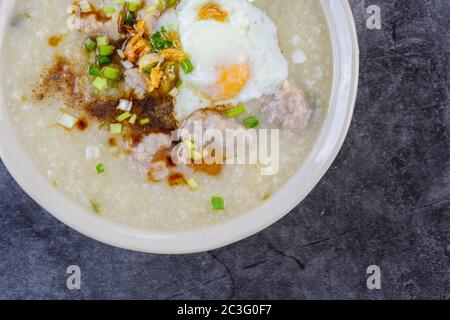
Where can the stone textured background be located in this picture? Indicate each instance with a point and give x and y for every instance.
(385, 201)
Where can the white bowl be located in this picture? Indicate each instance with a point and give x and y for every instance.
(331, 138)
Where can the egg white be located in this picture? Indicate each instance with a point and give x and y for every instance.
(248, 36)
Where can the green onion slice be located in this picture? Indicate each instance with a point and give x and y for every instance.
(124, 116)
(196, 155)
(105, 50)
(192, 184)
(111, 73)
(102, 60)
(144, 121)
(102, 41)
(94, 71)
(109, 10)
(251, 122)
(116, 128)
(133, 119)
(133, 6)
(218, 203)
(160, 42)
(100, 84)
(187, 66)
(100, 168)
(90, 45)
(66, 120)
(236, 112)
(129, 19)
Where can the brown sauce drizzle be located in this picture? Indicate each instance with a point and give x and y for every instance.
(164, 156)
(160, 111)
(214, 169)
(61, 78)
(82, 124)
(55, 40)
(112, 142)
(176, 179)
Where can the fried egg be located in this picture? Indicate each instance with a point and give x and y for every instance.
(234, 49)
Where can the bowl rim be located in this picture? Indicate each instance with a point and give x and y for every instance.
(327, 146)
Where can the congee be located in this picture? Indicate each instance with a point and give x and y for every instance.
(167, 114)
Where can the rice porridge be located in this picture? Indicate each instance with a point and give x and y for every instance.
(97, 89)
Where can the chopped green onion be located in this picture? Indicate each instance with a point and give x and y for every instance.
(218, 203)
(109, 10)
(105, 50)
(189, 144)
(132, 6)
(251, 122)
(102, 41)
(94, 71)
(148, 69)
(111, 73)
(192, 184)
(66, 120)
(101, 60)
(96, 207)
(90, 45)
(100, 168)
(116, 128)
(236, 112)
(129, 19)
(100, 84)
(160, 42)
(124, 116)
(196, 155)
(187, 66)
(133, 119)
(144, 121)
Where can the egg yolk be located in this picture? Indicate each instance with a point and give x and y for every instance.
(212, 11)
(232, 80)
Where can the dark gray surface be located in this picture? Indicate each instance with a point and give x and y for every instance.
(385, 201)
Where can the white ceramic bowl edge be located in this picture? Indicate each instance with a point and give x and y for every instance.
(332, 136)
